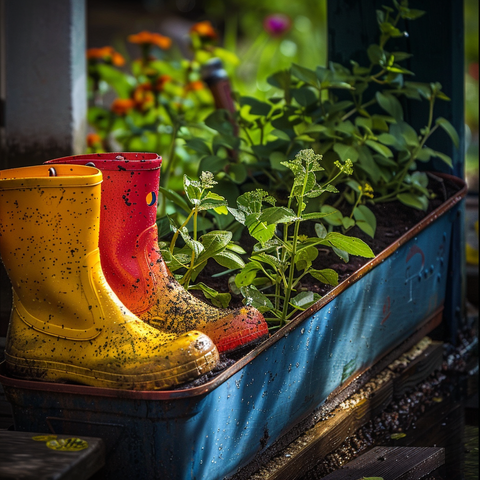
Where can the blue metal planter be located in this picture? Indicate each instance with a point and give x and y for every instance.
(210, 432)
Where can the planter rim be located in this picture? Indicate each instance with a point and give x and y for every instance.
(249, 357)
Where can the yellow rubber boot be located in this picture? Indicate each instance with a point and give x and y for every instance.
(67, 324)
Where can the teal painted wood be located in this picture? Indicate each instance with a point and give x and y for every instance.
(212, 431)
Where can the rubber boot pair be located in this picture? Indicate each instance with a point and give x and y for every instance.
(132, 262)
(66, 323)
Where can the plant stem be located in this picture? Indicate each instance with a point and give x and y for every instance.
(177, 233)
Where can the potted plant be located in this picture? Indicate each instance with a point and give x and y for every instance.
(212, 429)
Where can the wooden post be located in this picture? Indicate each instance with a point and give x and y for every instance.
(44, 80)
(43, 104)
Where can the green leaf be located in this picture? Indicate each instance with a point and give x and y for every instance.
(237, 172)
(320, 230)
(365, 220)
(347, 223)
(238, 215)
(276, 159)
(259, 230)
(375, 54)
(390, 104)
(270, 260)
(443, 157)
(304, 300)
(411, 13)
(305, 257)
(175, 198)
(280, 134)
(327, 276)
(346, 152)
(220, 300)
(212, 163)
(387, 139)
(448, 127)
(274, 215)
(368, 164)
(213, 242)
(229, 259)
(378, 147)
(304, 96)
(304, 74)
(351, 245)
(414, 201)
(424, 154)
(406, 132)
(256, 299)
(199, 146)
(333, 217)
(121, 83)
(342, 254)
(196, 247)
(247, 274)
(192, 189)
(397, 436)
(256, 106)
(211, 201)
(219, 120)
(314, 216)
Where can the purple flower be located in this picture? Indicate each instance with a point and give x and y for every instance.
(277, 24)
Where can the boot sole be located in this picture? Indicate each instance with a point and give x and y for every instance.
(50, 371)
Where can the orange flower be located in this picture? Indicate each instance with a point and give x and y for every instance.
(122, 106)
(149, 38)
(107, 54)
(117, 59)
(161, 81)
(204, 30)
(93, 140)
(143, 97)
(195, 85)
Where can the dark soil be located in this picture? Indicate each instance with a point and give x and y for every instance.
(393, 220)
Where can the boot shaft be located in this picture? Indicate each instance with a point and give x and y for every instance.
(49, 228)
(127, 222)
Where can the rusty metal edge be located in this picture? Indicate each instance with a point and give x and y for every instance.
(249, 357)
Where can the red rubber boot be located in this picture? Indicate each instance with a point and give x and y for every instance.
(133, 265)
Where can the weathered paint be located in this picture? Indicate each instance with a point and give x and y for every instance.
(209, 432)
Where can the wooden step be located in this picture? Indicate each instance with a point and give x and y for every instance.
(392, 463)
(24, 458)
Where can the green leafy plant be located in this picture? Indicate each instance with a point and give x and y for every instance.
(151, 103)
(283, 255)
(344, 113)
(190, 258)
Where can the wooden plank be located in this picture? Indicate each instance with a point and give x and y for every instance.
(418, 369)
(21, 457)
(392, 463)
